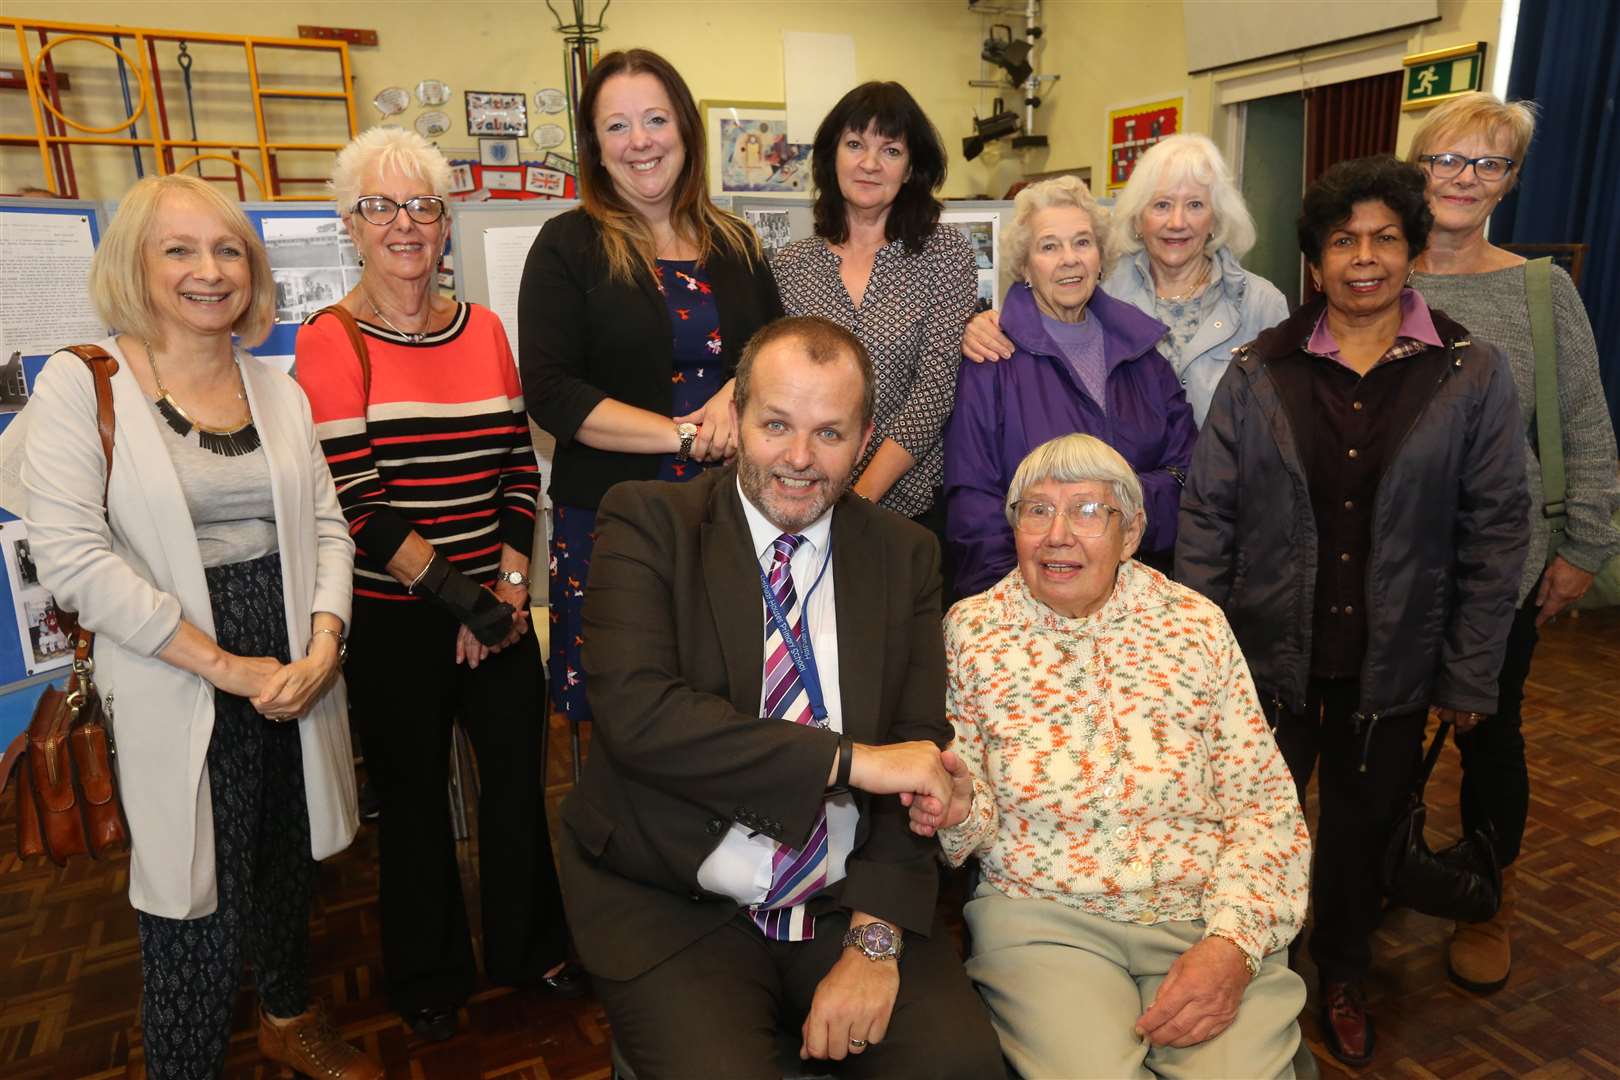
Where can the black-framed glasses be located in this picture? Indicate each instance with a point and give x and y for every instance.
(381, 210)
(1490, 169)
(1087, 520)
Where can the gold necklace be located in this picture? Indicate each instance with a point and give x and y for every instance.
(1203, 279)
(227, 442)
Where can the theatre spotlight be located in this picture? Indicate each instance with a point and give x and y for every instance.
(997, 126)
(1009, 55)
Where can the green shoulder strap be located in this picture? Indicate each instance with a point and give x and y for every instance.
(1549, 419)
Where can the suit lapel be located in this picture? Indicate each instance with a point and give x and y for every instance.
(861, 597)
(732, 582)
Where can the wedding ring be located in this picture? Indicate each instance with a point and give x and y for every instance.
(859, 1044)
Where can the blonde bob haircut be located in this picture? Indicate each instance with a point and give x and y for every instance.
(383, 150)
(1059, 191)
(1477, 112)
(1077, 459)
(1168, 163)
(118, 283)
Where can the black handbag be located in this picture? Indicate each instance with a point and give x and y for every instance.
(1461, 882)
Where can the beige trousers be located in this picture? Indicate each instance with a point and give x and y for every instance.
(1065, 988)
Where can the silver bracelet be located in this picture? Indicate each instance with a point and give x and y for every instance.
(411, 588)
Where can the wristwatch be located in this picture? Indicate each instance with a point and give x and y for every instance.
(875, 941)
(688, 435)
(513, 577)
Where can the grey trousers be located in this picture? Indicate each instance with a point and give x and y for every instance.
(1065, 989)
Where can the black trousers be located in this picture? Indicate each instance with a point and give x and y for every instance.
(406, 690)
(191, 968)
(1366, 773)
(1495, 780)
(714, 1009)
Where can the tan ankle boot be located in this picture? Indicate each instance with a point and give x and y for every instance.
(1481, 954)
(310, 1045)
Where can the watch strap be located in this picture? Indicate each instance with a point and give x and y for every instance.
(846, 761)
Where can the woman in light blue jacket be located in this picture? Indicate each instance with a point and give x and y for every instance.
(1180, 227)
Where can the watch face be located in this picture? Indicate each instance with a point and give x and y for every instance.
(877, 938)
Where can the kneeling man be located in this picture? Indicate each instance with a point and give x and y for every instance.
(766, 668)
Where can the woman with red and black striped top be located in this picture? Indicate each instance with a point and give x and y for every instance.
(435, 472)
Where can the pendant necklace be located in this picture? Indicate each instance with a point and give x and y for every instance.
(1192, 292)
(414, 339)
(227, 442)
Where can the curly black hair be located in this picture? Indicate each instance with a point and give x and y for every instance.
(1381, 178)
(895, 113)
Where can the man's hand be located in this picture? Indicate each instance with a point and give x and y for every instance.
(1199, 998)
(906, 769)
(928, 815)
(1561, 585)
(853, 1001)
(983, 340)
(1463, 721)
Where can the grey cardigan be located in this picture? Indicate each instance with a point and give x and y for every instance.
(134, 574)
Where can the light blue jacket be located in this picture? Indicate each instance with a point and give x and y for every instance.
(1247, 305)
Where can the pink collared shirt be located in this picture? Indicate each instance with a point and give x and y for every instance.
(1415, 333)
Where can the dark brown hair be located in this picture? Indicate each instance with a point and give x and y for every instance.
(891, 109)
(822, 340)
(625, 234)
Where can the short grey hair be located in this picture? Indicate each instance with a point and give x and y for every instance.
(385, 149)
(1018, 234)
(1169, 162)
(1076, 459)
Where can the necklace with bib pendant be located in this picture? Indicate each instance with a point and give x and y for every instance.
(226, 442)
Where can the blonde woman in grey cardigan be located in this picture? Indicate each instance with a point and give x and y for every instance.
(1472, 149)
(218, 586)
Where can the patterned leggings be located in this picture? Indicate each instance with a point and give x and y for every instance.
(192, 967)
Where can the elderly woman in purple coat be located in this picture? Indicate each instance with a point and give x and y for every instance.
(1083, 362)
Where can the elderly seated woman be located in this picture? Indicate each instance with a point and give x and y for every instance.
(1143, 853)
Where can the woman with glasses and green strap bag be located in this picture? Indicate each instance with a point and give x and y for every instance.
(1472, 150)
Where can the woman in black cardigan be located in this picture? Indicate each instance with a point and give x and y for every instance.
(632, 314)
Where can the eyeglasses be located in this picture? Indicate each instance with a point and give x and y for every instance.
(1087, 520)
(381, 210)
(1448, 166)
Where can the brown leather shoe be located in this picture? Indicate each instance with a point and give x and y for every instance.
(1481, 954)
(1345, 1023)
(309, 1044)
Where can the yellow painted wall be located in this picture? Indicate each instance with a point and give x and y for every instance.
(1109, 52)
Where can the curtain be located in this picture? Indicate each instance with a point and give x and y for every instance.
(1565, 59)
(1350, 120)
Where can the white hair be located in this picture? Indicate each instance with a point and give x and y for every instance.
(1017, 234)
(1077, 459)
(1172, 161)
(387, 149)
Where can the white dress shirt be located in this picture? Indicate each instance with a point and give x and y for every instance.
(740, 867)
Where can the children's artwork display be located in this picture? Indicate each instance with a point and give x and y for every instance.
(1134, 128)
(749, 151)
(492, 112)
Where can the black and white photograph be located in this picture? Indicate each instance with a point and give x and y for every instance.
(313, 262)
(773, 228)
(983, 231)
(44, 643)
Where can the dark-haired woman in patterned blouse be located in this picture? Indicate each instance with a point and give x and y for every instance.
(883, 267)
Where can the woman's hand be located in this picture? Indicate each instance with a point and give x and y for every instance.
(927, 815)
(245, 676)
(1561, 585)
(289, 693)
(1199, 997)
(983, 341)
(716, 438)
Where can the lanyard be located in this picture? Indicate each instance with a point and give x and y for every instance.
(798, 645)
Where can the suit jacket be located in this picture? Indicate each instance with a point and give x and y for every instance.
(673, 656)
(584, 336)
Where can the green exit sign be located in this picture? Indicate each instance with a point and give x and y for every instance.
(1433, 77)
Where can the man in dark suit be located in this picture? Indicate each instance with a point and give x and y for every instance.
(765, 664)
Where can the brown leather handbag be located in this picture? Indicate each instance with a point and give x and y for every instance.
(67, 787)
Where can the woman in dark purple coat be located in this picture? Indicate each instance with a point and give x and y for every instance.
(1084, 362)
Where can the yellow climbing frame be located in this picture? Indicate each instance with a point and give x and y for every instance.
(53, 139)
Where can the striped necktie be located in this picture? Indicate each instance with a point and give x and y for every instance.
(795, 875)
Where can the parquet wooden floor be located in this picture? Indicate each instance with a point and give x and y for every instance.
(70, 973)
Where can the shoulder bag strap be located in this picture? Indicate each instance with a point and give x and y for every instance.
(1431, 757)
(1549, 418)
(103, 367)
(357, 340)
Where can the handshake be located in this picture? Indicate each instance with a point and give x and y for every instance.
(933, 783)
